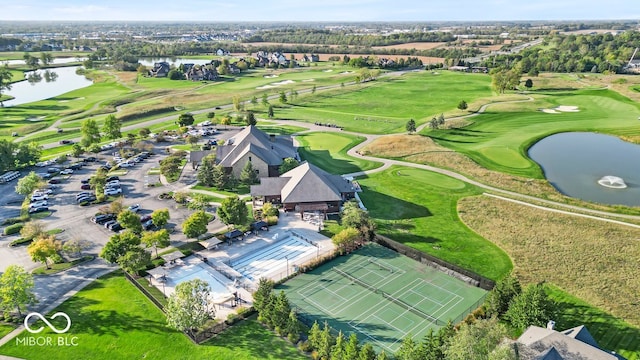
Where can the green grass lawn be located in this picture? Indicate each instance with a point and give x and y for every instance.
(419, 208)
(611, 333)
(500, 138)
(113, 320)
(328, 151)
(5, 329)
(273, 128)
(385, 105)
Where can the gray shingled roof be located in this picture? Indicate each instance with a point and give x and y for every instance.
(303, 184)
(581, 333)
(540, 340)
(252, 140)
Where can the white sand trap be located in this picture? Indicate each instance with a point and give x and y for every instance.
(63, 101)
(265, 87)
(285, 82)
(33, 118)
(565, 108)
(271, 76)
(549, 111)
(328, 70)
(307, 80)
(346, 72)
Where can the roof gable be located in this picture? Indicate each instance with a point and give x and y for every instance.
(250, 139)
(581, 333)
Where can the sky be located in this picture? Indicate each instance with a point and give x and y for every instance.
(320, 10)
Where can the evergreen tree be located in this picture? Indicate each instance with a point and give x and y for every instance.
(352, 349)
(283, 97)
(265, 99)
(441, 119)
(292, 328)
(248, 175)
(382, 356)
(315, 336)
(408, 349)
(532, 307)
(462, 105)
(265, 287)
(219, 179)
(411, 126)
(281, 312)
(205, 173)
(338, 349)
(270, 112)
(251, 119)
(502, 294)
(366, 353)
(326, 342)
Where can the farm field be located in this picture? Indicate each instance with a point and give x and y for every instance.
(112, 319)
(499, 138)
(384, 106)
(593, 260)
(419, 208)
(328, 151)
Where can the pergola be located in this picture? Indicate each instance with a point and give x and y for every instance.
(210, 244)
(173, 256)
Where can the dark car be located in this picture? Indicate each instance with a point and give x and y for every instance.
(85, 187)
(76, 166)
(90, 159)
(65, 142)
(46, 176)
(53, 170)
(38, 209)
(101, 219)
(54, 181)
(83, 199)
(111, 178)
(116, 227)
(85, 181)
(145, 218)
(105, 168)
(148, 225)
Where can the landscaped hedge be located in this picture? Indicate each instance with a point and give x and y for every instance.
(15, 220)
(13, 229)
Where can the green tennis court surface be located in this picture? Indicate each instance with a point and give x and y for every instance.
(382, 296)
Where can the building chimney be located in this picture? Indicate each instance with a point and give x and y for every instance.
(551, 324)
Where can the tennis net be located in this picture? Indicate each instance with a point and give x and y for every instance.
(356, 280)
(411, 308)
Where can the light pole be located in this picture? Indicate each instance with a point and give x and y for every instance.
(287, 257)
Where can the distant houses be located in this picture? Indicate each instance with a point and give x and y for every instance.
(160, 69)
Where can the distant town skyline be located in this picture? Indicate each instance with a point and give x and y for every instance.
(327, 10)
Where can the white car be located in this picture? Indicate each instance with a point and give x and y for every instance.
(42, 192)
(126, 164)
(38, 204)
(39, 197)
(41, 164)
(115, 191)
(134, 207)
(206, 123)
(66, 172)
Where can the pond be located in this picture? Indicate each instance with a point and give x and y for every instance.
(575, 162)
(55, 61)
(48, 86)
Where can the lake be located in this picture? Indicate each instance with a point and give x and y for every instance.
(55, 61)
(67, 80)
(574, 162)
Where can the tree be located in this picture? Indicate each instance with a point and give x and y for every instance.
(261, 295)
(254, 100)
(237, 103)
(337, 351)
(144, 133)
(160, 217)
(43, 248)
(30, 61)
(130, 221)
(283, 97)
(76, 246)
(315, 335)
(528, 84)
(205, 170)
(441, 119)
(211, 115)
(225, 121)
(118, 245)
(462, 105)
(352, 348)
(281, 311)
(288, 164)
(198, 202)
(220, 179)
(313, 90)
(111, 127)
(90, 133)
(411, 126)
(188, 307)
(502, 294)
(232, 210)
(180, 197)
(477, 340)
(293, 328)
(346, 239)
(250, 119)
(5, 80)
(28, 184)
(32, 229)
(16, 289)
(265, 99)
(532, 307)
(175, 74)
(46, 58)
(248, 175)
(355, 217)
(326, 342)
(503, 80)
(408, 349)
(192, 140)
(185, 119)
(134, 260)
(170, 166)
(270, 112)
(76, 150)
(382, 356)
(196, 224)
(366, 353)
(433, 123)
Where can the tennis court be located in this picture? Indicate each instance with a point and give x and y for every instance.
(382, 296)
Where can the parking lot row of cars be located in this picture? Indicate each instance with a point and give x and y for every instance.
(110, 222)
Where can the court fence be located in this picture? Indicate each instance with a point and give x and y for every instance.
(302, 265)
(465, 275)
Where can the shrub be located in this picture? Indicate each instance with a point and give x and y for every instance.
(305, 346)
(271, 220)
(13, 229)
(15, 220)
(245, 311)
(232, 319)
(56, 258)
(293, 337)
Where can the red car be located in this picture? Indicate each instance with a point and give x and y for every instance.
(85, 187)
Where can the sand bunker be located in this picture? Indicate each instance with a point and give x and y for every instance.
(275, 84)
(328, 70)
(307, 80)
(271, 76)
(560, 109)
(33, 118)
(564, 108)
(346, 72)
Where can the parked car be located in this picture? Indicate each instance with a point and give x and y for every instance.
(38, 209)
(41, 164)
(66, 172)
(115, 227)
(76, 166)
(39, 197)
(148, 225)
(85, 199)
(113, 191)
(113, 182)
(103, 218)
(109, 223)
(145, 218)
(90, 159)
(53, 170)
(83, 193)
(111, 178)
(134, 207)
(43, 192)
(85, 187)
(65, 142)
(45, 176)
(38, 204)
(54, 181)
(126, 164)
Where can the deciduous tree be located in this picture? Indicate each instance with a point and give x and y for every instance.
(16, 289)
(188, 307)
(532, 307)
(411, 126)
(196, 224)
(130, 221)
(476, 341)
(118, 245)
(160, 217)
(355, 217)
(5, 80)
(28, 184)
(346, 240)
(185, 119)
(111, 127)
(90, 133)
(43, 248)
(288, 164)
(233, 211)
(462, 105)
(32, 230)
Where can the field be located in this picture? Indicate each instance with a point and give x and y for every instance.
(385, 105)
(329, 152)
(593, 260)
(418, 208)
(113, 320)
(499, 139)
(393, 297)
